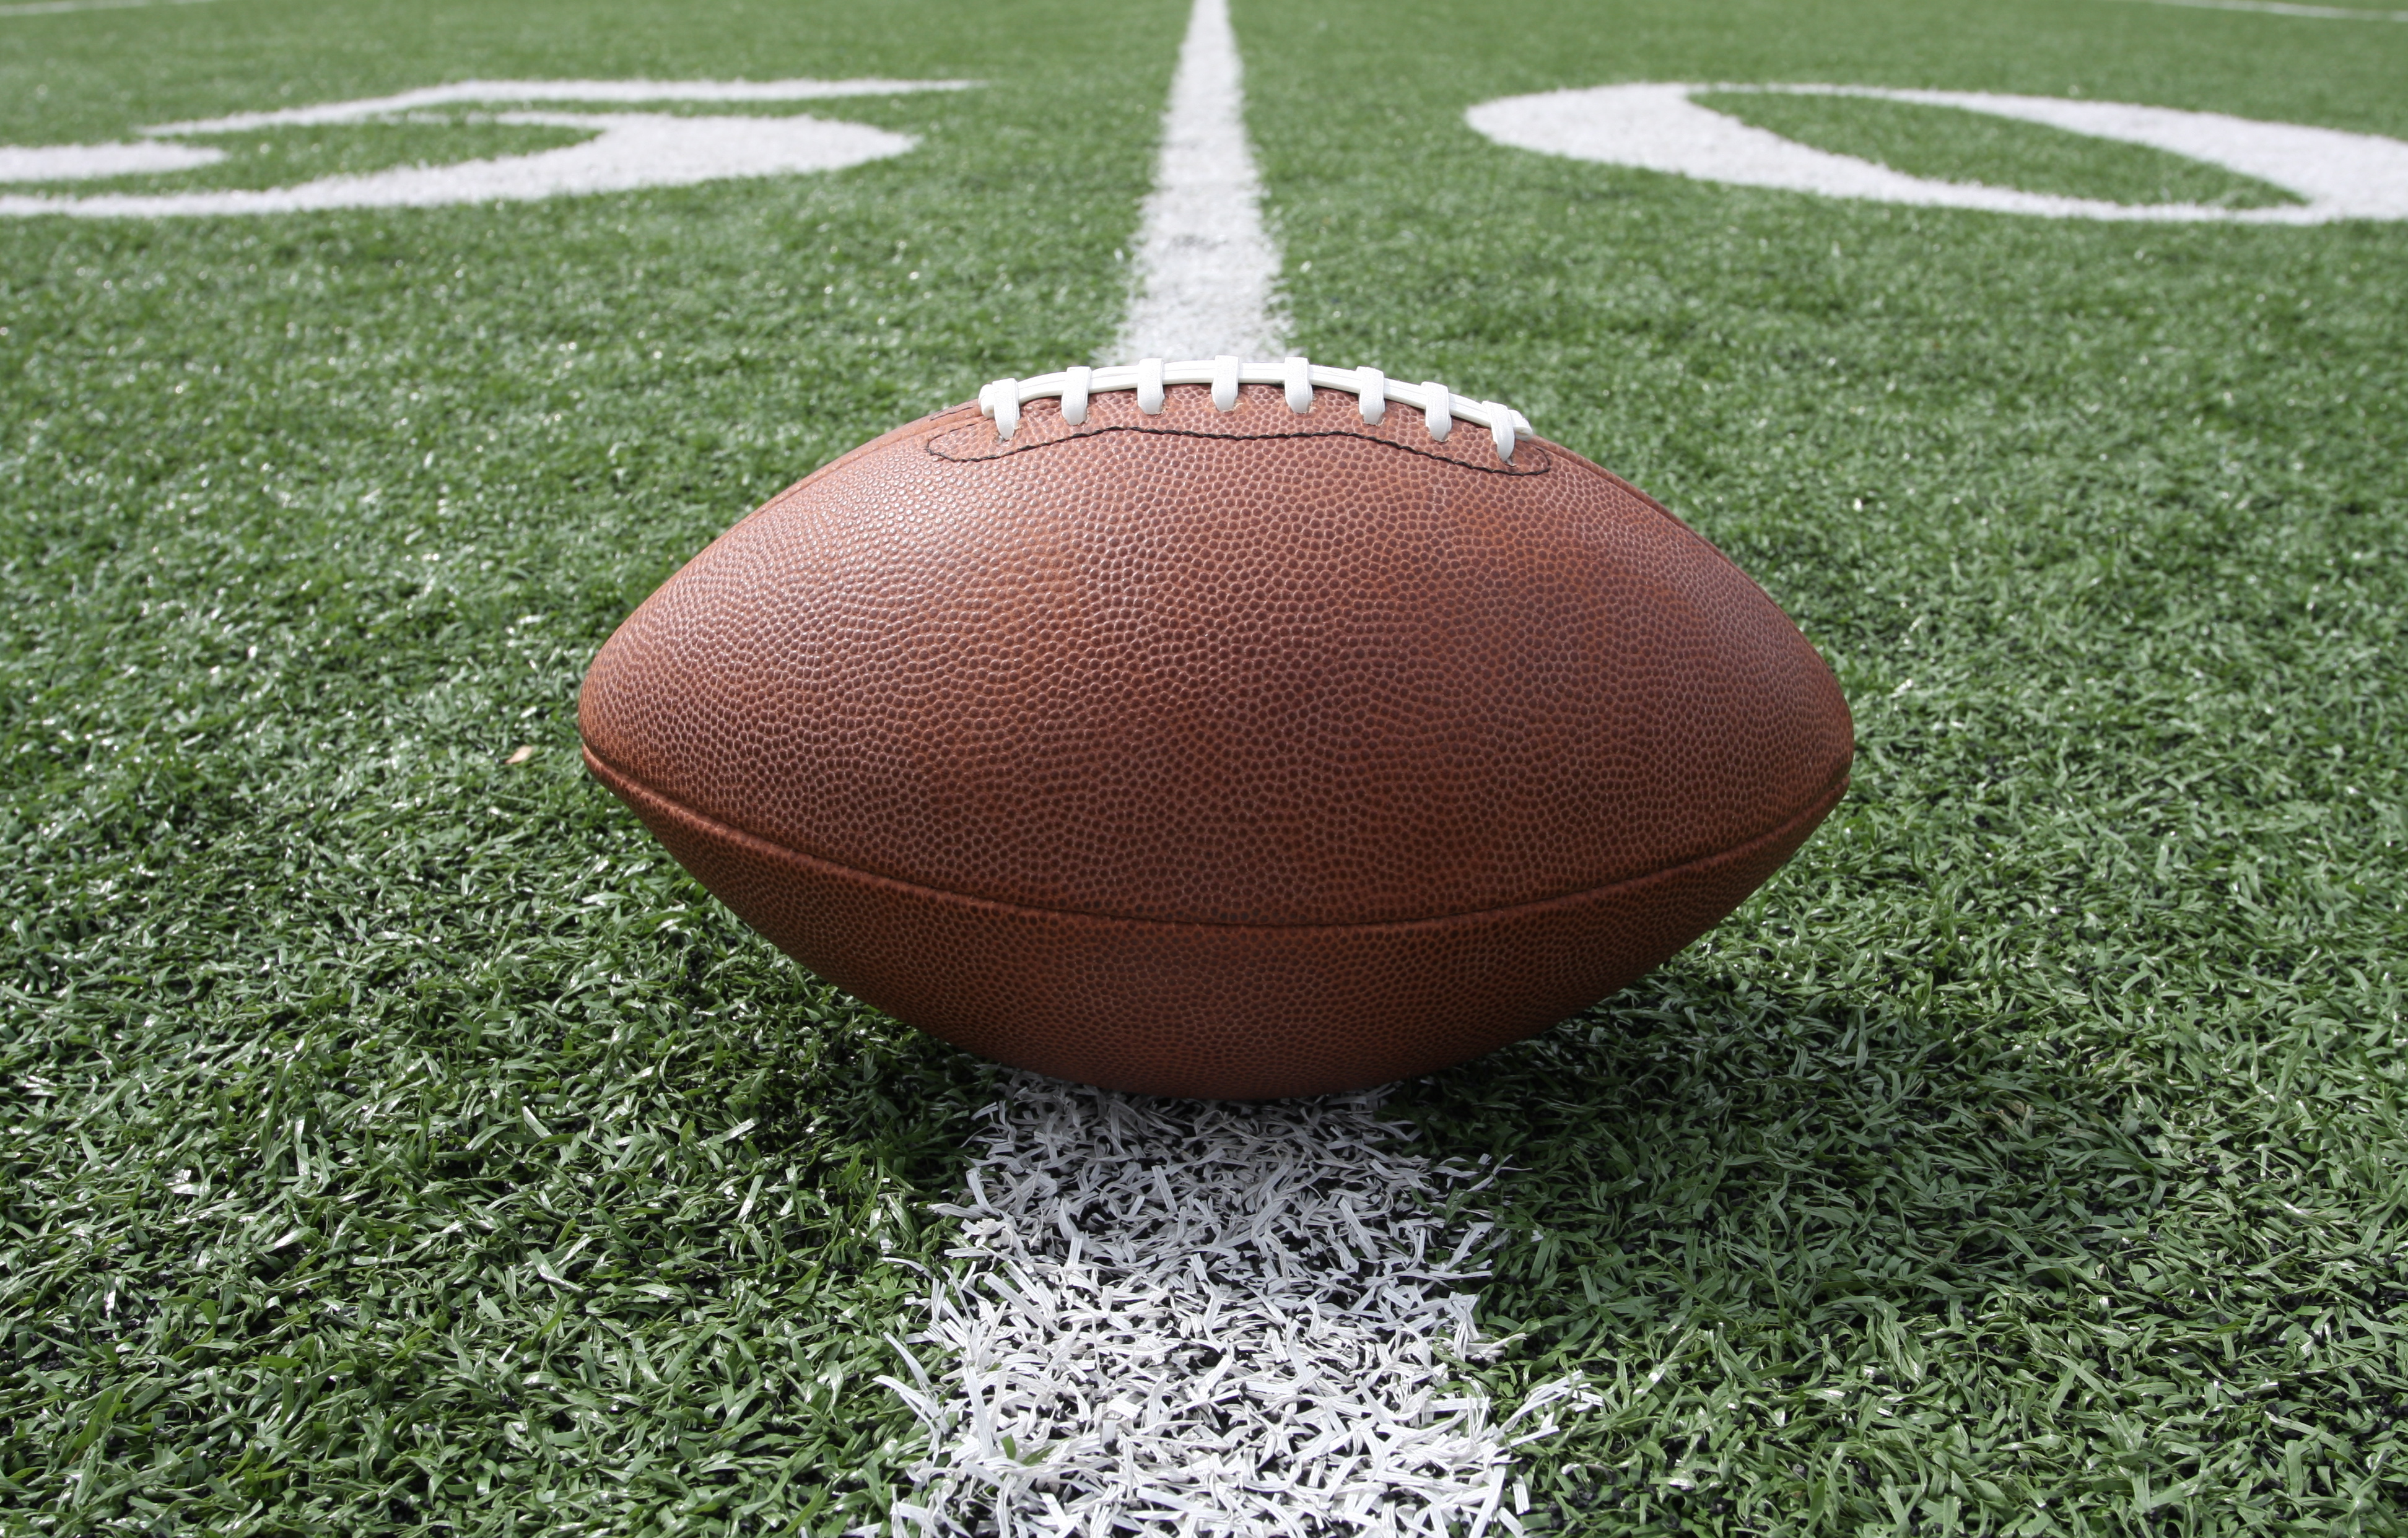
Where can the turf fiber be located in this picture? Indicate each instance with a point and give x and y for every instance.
(396, 1142)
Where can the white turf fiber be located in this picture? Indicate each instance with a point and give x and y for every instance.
(1204, 1319)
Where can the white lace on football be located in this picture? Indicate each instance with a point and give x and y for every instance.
(1441, 408)
(1199, 1319)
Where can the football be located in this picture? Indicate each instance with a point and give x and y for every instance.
(1220, 729)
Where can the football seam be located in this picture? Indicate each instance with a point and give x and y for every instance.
(613, 777)
(1005, 448)
(930, 430)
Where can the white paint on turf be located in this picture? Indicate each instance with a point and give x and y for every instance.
(1200, 1318)
(1206, 270)
(629, 149)
(489, 92)
(60, 8)
(1207, 1318)
(2281, 8)
(82, 162)
(1657, 127)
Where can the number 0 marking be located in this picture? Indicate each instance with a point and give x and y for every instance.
(1656, 127)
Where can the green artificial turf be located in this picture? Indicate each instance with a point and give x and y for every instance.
(395, 1140)
(2028, 1156)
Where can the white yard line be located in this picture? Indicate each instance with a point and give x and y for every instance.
(1207, 271)
(1213, 1320)
(58, 7)
(2282, 7)
(1197, 1319)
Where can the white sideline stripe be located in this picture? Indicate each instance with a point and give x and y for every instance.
(630, 151)
(558, 91)
(1206, 272)
(60, 8)
(2280, 8)
(1207, 1318)
(1656, 127)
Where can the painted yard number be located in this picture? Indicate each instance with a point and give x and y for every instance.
(628, 149)
(1656, 127)
(1651, 126)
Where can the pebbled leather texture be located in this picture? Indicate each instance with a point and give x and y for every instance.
(1234, 754)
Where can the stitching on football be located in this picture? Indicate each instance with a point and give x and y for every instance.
(1261, 412)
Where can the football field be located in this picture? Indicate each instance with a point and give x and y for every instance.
(393, 1140)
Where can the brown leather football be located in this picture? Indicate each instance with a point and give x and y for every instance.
(1140, 728)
